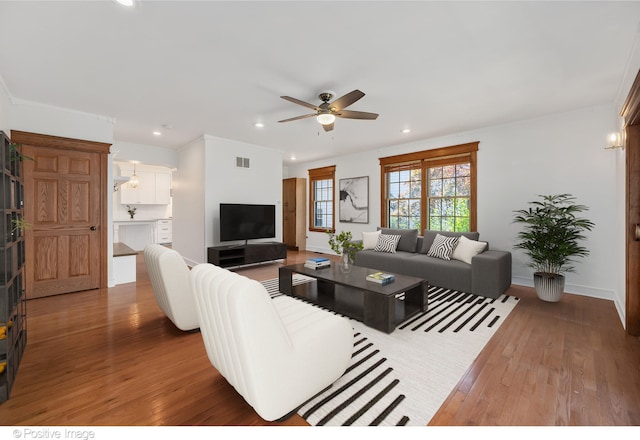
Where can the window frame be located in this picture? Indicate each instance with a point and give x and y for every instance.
(317, 174)
(443, 156)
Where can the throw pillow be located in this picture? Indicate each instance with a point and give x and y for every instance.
(387, 243)
(370, 239)
(442, 247)
(429, 235)
(408, 238)
(467, 249)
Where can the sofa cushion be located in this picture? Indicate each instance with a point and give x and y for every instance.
(370, 239)
(430, 235)
(408, 238)
(442, 247)
(466, 249)
(452, 274)
(385, 261)
(387, 243)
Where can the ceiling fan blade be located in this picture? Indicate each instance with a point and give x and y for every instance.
(328, 127)
(298, 117)
(346, 100)
(350, 114)
(302, 103)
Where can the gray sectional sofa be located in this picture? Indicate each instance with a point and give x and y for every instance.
(489, 273)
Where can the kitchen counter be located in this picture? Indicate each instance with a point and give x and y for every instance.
(138, 233)
(140, 220)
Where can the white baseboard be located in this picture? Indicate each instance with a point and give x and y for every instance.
(576, 289)
(593, 292)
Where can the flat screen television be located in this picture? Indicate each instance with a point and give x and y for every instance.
(239, 221)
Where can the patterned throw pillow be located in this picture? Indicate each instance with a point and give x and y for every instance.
(387, 243)
(442, 247)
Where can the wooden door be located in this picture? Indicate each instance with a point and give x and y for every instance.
(65, 203)
(633, 221)
(631, 114)
(289, 213)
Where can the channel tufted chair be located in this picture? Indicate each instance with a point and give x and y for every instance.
(277, 353)
(171, 284)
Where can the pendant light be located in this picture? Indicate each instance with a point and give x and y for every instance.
(133, 182)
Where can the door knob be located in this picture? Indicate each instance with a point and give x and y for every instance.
(93, 228)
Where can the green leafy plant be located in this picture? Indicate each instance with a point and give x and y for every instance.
(19, 224)
(15, 153)
(131, 210)
(342, 243)
(552, 233)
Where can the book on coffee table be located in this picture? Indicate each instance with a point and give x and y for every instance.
(317, 263)
(381, 277)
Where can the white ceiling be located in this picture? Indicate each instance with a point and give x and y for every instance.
(213, 67)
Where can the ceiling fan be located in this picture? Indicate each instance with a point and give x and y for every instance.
(327, 112)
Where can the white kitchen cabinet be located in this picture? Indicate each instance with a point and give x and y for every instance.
(163, 187)
(154, 187)
(144, 193)
(164, 231)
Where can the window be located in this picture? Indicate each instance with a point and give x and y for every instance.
(404, 193)
(432, 189)
(449, 197)
(321, 190)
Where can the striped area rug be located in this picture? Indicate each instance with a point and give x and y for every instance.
(403, 378)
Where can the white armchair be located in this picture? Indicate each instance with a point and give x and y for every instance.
(171, 282)
(277, 353)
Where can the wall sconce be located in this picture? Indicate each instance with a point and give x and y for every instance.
(614, 141)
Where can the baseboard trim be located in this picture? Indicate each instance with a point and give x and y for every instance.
(576, 289)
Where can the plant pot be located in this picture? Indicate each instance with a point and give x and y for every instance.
(549, 286)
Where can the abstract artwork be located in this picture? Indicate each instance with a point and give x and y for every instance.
(354, 200)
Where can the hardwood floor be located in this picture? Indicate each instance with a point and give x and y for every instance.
(110, 357)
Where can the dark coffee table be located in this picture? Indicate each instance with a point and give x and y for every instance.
(350, 294)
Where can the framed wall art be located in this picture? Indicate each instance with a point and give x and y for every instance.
(354, 200)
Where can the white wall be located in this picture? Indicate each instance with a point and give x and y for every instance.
(562, 153)
(207, 176)
(261, 183)
(145, 154)
(4, 108)
(56, 121)
(189, 202)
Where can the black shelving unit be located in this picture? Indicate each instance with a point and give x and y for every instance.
(13, 309)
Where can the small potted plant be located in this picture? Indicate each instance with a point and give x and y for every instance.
(341, 244)
(131, 210)
(551, 239)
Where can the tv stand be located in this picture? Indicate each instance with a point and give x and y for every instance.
(245, 254)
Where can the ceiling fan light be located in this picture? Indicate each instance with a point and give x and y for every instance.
(326, 118)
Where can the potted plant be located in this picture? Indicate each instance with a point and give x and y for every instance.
(551, 238)
(131, 210)
(341, 244)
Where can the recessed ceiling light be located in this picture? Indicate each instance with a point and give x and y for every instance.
(125, 2)
(157, 133)
(406, 130)
(258, 125)
(293, 158)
